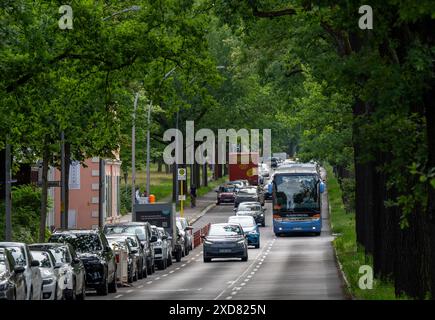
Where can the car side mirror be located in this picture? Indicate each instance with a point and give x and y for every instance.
(19, 269)
(34, 263)
(153, 239)
(322, 187)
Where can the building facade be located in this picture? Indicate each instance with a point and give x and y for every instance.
(83, 210)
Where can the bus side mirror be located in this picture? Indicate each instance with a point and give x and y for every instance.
(322, 187)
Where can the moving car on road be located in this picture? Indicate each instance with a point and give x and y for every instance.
(246, 195)
(23, 258)
(97, 256)
(250, 228)
(71, 269)
(12, 282)
(225, 240)
(225, 193)
(144, 232)
(253, 209)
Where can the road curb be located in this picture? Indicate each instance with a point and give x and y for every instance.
(203, 212)
(348, 288)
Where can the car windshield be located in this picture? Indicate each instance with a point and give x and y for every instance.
(227, 189)
(83, 242)
(43, 258)
(244, 221)
(138, 230)
(19, 255)
(296, 192)
(254, 207)
(225, 230)
(61, 254)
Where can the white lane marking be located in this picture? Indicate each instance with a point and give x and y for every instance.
(149, 282)
(118, 296)
(158, 278)
(165, 275)
(129, 291)
(256, 269)
(183, 265)
(242, 284)
(198, 255)
(249, 276)
(229, 298)
(234, 293)
(172, 271)
(178, 268)
(141, 286)
(237, 288)
(252, 273)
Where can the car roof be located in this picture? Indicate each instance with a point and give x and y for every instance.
(76, 231)
(250, 203)
(123, 234)
(240, 217)
(224, 224)
(46, 245)
(131, 223)
(12, 244)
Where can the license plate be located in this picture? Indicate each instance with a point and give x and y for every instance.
(224, 250)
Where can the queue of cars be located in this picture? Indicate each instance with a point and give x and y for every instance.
(73, 261)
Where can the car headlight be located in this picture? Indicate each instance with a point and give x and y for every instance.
(262, 215)
(207, 242)
(47, 281)
(241, 242)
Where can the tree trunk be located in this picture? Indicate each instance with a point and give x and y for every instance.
(126, 177)
(67, 170)
(167, 169)
(44, 195)
(159, 166)
(204, 175)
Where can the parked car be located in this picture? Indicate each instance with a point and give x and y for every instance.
(132, 268)
(144, 232)
(246, 195)
(97, 256)
(12, 280)
(225, 240)
(178, 244)
(23, 257)
(226, 193)
(71, 269)
(250, 228)
(188, 233)
(136, 249)
(51, 290)
(161, 249)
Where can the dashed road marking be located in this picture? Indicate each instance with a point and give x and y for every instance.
(118, 296)
(129, 291)
(229, 298)
(141, 286)
(158, 278)
(172, 271)
(183, 265)
(149, 282)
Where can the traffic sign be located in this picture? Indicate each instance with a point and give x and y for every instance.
(182, 174)
(182, 197)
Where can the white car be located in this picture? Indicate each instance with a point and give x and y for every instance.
(23, 257)
(162, 254)
(52, 289)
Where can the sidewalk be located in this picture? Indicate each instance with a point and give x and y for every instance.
(203, 204)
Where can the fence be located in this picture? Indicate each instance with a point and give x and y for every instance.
(197, 236)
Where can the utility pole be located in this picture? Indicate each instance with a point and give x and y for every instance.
(8, 198)
(63, 210)
(133, 154)
(101, 177)
(148, 149)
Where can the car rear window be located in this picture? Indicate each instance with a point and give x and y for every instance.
(225, 230)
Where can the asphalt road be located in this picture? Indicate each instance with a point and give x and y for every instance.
(293, 267)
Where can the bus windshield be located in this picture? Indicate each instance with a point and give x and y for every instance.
(296, 193)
